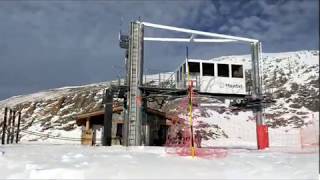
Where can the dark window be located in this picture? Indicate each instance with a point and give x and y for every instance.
(184, 72)
(207, 69)
(177, 76)
(180, 77)
(184, 68)
(223, 70)
(194, 67)
(119, 130)
(237, 71)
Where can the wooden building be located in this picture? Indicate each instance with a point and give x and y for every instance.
(92, 126)
(156, 125)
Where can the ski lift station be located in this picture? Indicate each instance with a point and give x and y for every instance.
(212, 77)
(215, 78)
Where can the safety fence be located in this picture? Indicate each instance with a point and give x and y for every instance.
(215, 130)
(10, 130)
(302, 138)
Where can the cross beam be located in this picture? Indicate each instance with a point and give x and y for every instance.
(198, 40)
(196, 32)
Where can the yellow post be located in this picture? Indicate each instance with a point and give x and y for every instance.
(193, 152)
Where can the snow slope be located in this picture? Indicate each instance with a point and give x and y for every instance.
(26, 161)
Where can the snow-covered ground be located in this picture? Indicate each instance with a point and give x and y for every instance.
(34, 161)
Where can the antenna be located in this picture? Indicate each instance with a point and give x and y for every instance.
(120, 27)
(123, 39)
(121, 21)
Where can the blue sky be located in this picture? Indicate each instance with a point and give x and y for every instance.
(48, 44)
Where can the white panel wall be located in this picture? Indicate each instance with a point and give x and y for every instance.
(215, 84)
(225, 85)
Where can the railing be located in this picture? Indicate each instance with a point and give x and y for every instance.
(168, 80)
(118, 82)
(160, 80)
(183, 84)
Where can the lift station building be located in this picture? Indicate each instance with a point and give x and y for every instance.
(209, 77)
(212, 77)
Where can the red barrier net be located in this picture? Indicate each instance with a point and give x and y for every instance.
(179, 142)
(185, 134)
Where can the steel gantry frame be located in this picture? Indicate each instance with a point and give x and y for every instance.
(134, 62)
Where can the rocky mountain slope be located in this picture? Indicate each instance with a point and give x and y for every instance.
(292, 78)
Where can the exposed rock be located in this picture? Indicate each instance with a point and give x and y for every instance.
(296, 106)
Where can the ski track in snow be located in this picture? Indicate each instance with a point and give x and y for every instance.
(36, 161)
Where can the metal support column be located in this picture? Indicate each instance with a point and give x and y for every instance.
(255, 56)
(107, 128)
(135, 79)
(262, 129)
(4, 126)
(126, 122)
(145, 122)
(125, 130)
(256, 78)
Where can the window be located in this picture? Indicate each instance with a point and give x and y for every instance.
(180, 77)
(184, 68)
(119, 130)
(237, 71)
(177, 76)
(207, 69)
(194, 67)
(223, 70)
(184, 72)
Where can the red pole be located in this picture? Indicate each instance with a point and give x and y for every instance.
(262, 135)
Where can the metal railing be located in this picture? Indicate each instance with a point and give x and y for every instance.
(160, 80)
